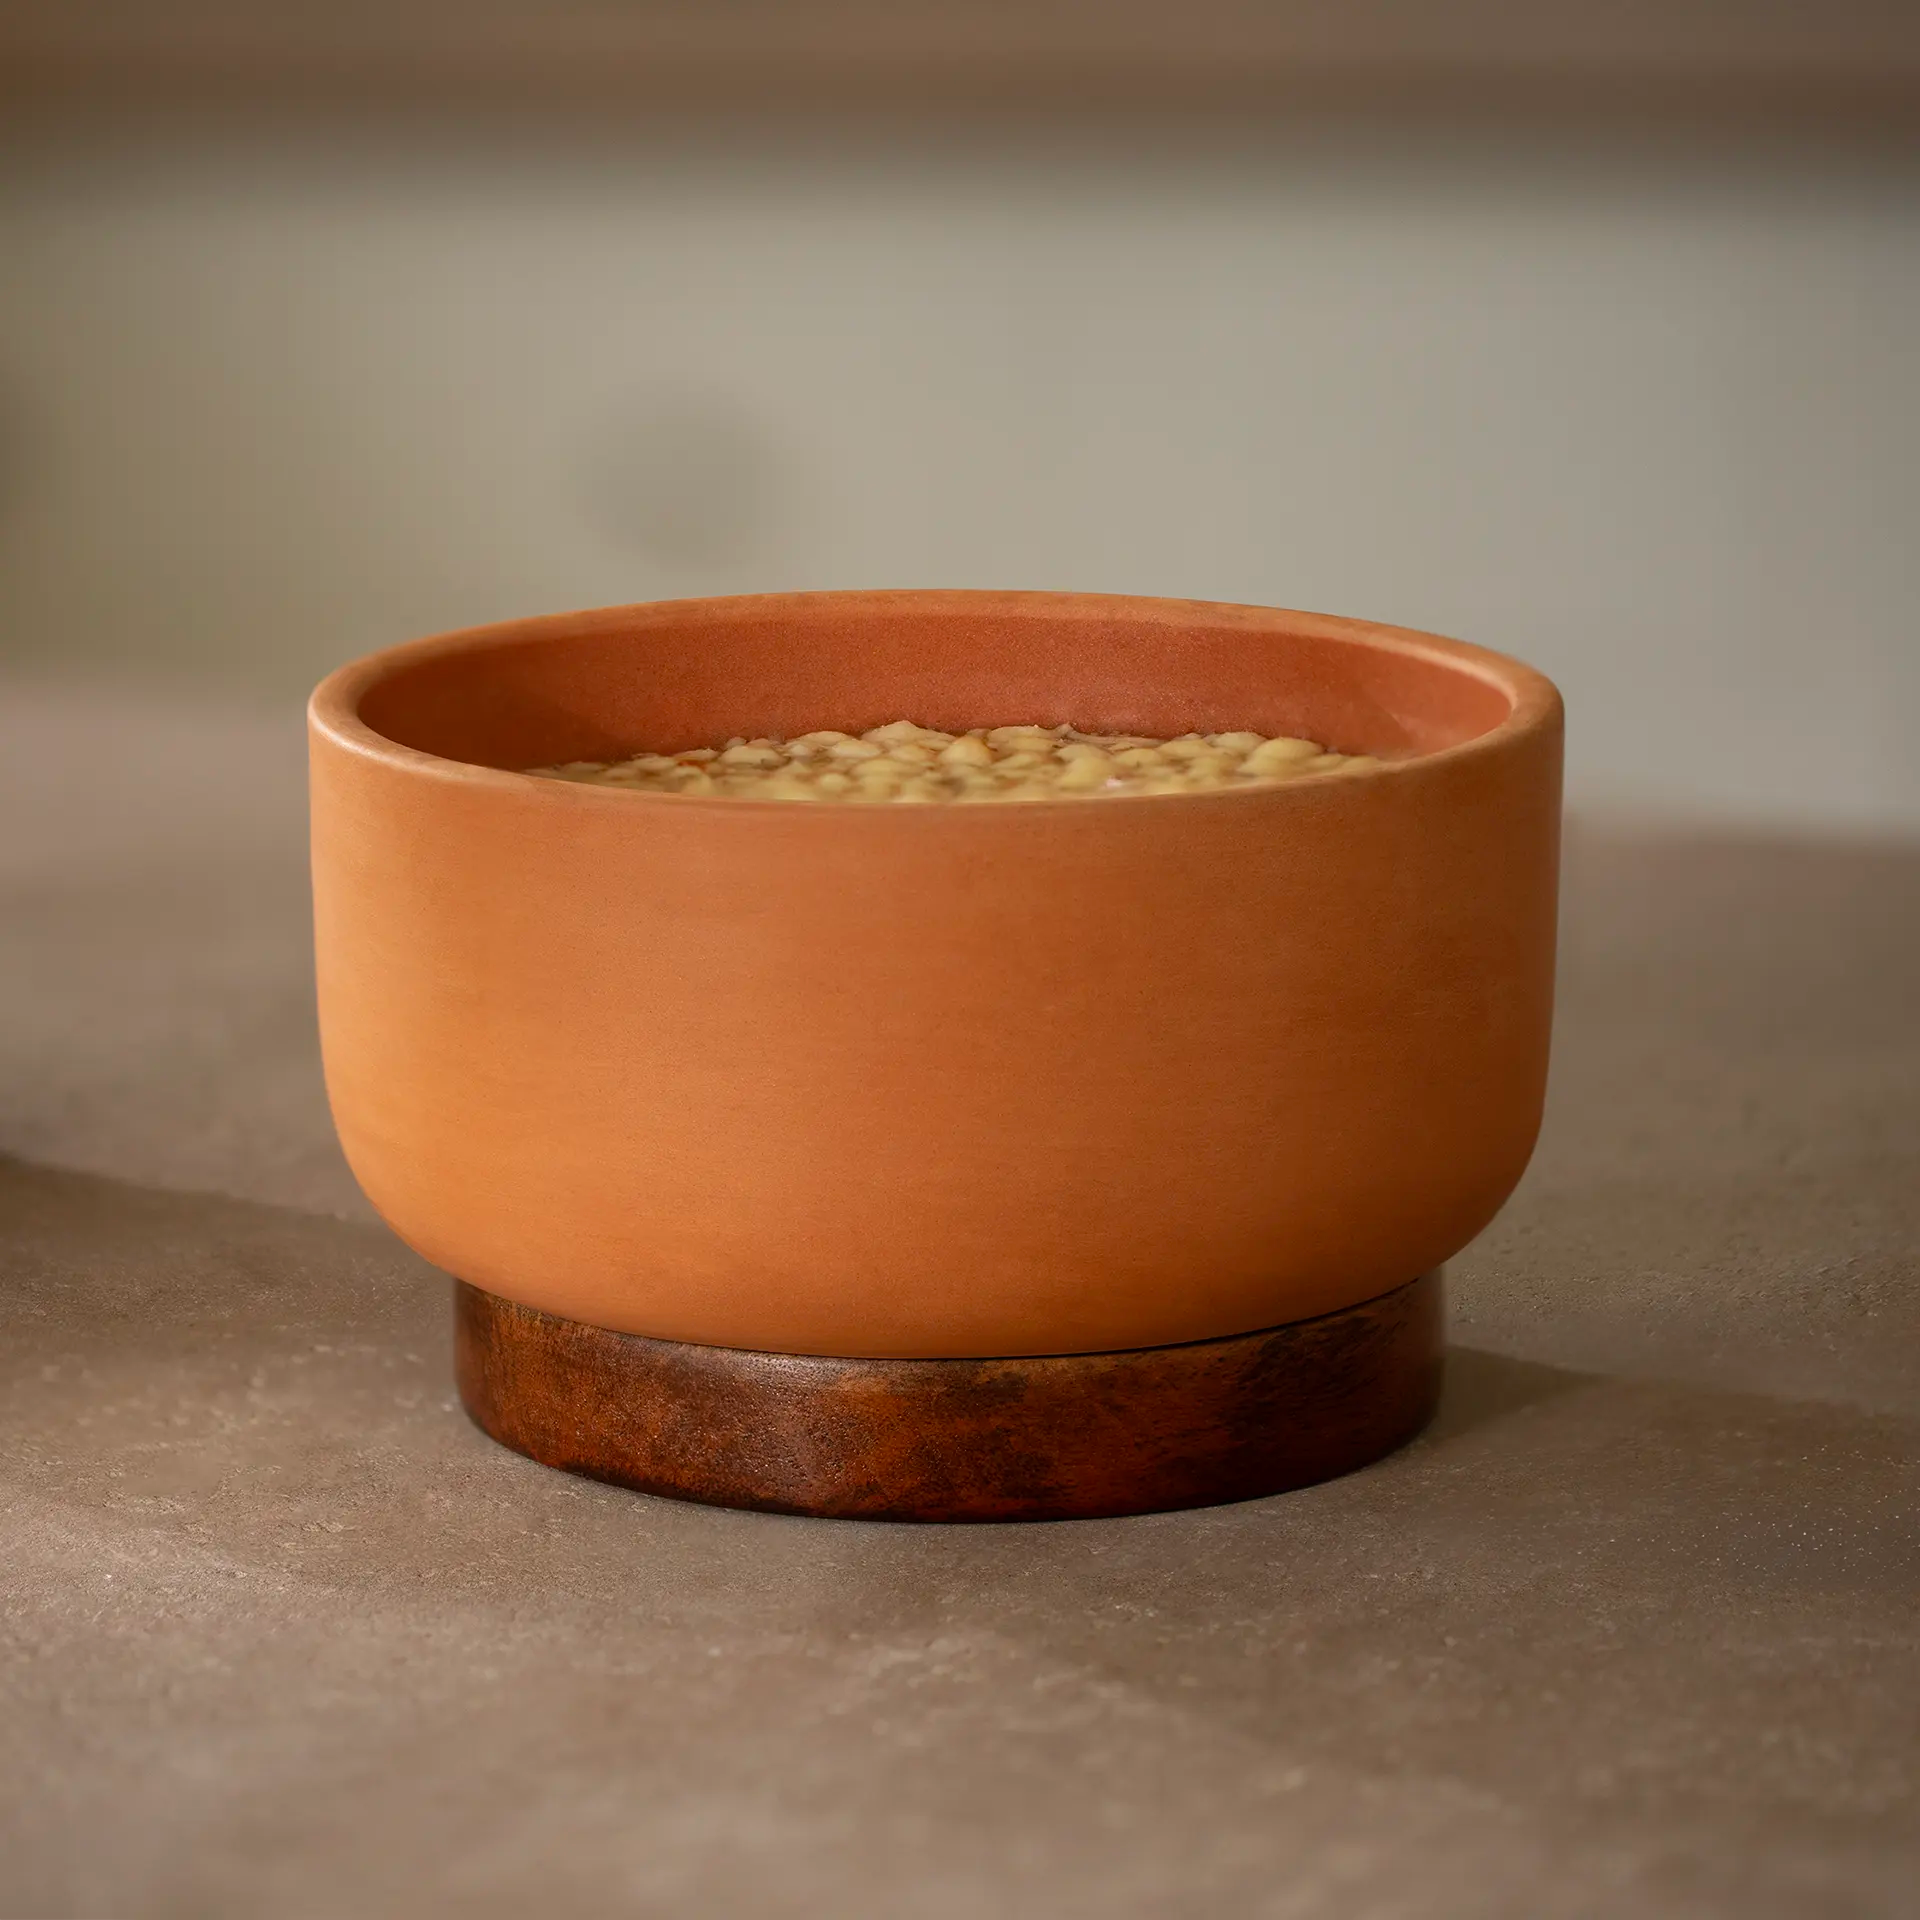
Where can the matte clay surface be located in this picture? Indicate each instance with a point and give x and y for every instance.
(1067, 1436)
(1630, 1632)
(944, 1080)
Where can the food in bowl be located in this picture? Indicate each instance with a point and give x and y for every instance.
(907, 763)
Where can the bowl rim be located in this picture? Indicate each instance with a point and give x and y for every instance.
(333, 707)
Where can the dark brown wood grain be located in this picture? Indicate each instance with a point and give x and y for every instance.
(1058, 1436)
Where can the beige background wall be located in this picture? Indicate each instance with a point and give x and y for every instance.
(1643, 408)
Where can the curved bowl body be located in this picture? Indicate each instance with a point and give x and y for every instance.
(955, 1080)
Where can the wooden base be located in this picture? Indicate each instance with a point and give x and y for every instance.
(1059, 1436)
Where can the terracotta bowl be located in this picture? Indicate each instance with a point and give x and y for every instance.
(1057, 1077)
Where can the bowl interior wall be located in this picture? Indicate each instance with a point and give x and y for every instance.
(602, 691)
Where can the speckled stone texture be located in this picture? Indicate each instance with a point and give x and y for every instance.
(1634, 1629)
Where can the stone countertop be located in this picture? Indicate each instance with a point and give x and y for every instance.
(1635, 1629)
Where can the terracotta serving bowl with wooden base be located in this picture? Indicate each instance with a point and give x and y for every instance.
(969, 1161)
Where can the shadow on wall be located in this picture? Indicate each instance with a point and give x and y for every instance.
(687, 480)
